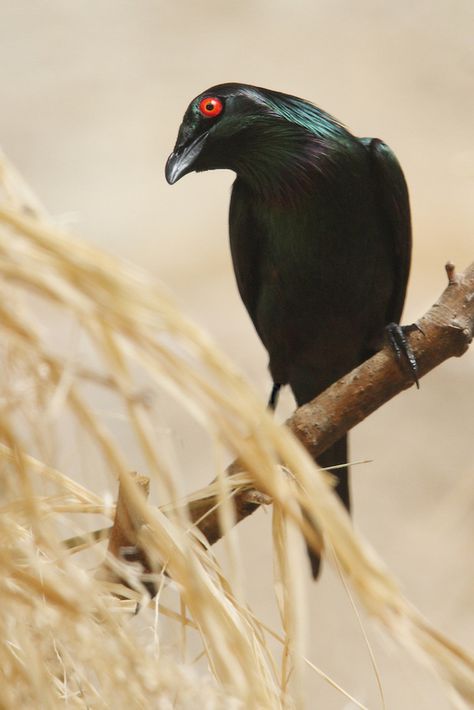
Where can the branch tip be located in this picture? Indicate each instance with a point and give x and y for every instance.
(451, 272)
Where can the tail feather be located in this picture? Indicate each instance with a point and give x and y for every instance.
(334, 456)
(337, 454)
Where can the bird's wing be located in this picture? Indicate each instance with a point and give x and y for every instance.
(245, 249)
(392, 198)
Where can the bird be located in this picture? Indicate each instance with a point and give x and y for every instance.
(320, 236)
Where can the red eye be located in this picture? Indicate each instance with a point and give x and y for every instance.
(210, 106)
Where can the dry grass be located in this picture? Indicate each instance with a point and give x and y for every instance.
(66, 636)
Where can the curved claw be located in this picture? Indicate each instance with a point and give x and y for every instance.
(401, 346)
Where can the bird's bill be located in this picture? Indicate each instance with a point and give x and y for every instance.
(181, 161)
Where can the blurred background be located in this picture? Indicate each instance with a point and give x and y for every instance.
(93, 94)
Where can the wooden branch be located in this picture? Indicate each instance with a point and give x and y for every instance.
(204, 512)
(446, 330)
(123, 535)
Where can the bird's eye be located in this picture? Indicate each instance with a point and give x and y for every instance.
(210, 106)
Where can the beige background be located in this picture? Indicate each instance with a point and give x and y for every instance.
(92, 96)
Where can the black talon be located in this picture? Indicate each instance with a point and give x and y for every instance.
(273, 401)
(401, 346)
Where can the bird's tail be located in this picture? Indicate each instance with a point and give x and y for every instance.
(334, 456)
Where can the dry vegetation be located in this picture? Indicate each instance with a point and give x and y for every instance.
(70, 633)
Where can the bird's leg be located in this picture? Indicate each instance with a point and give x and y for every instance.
(273, 401)
(401, 346)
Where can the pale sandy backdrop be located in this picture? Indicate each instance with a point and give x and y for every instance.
(92, 96)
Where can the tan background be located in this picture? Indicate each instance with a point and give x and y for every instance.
(92, 96)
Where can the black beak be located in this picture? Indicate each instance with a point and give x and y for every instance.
(181, 160)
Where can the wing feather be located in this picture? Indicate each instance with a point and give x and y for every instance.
(392, 199)
(245, 246)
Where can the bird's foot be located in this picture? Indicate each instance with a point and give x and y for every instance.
(401, 347)
(273, 401)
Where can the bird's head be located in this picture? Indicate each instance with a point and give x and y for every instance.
(255, 132)
(213, 129)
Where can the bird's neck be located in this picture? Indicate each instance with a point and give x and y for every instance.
(280, 162)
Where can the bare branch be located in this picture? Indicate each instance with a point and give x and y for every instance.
(445, 331)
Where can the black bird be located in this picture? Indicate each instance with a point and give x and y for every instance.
(319, 232)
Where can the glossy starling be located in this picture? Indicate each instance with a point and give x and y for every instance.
(319, 232)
